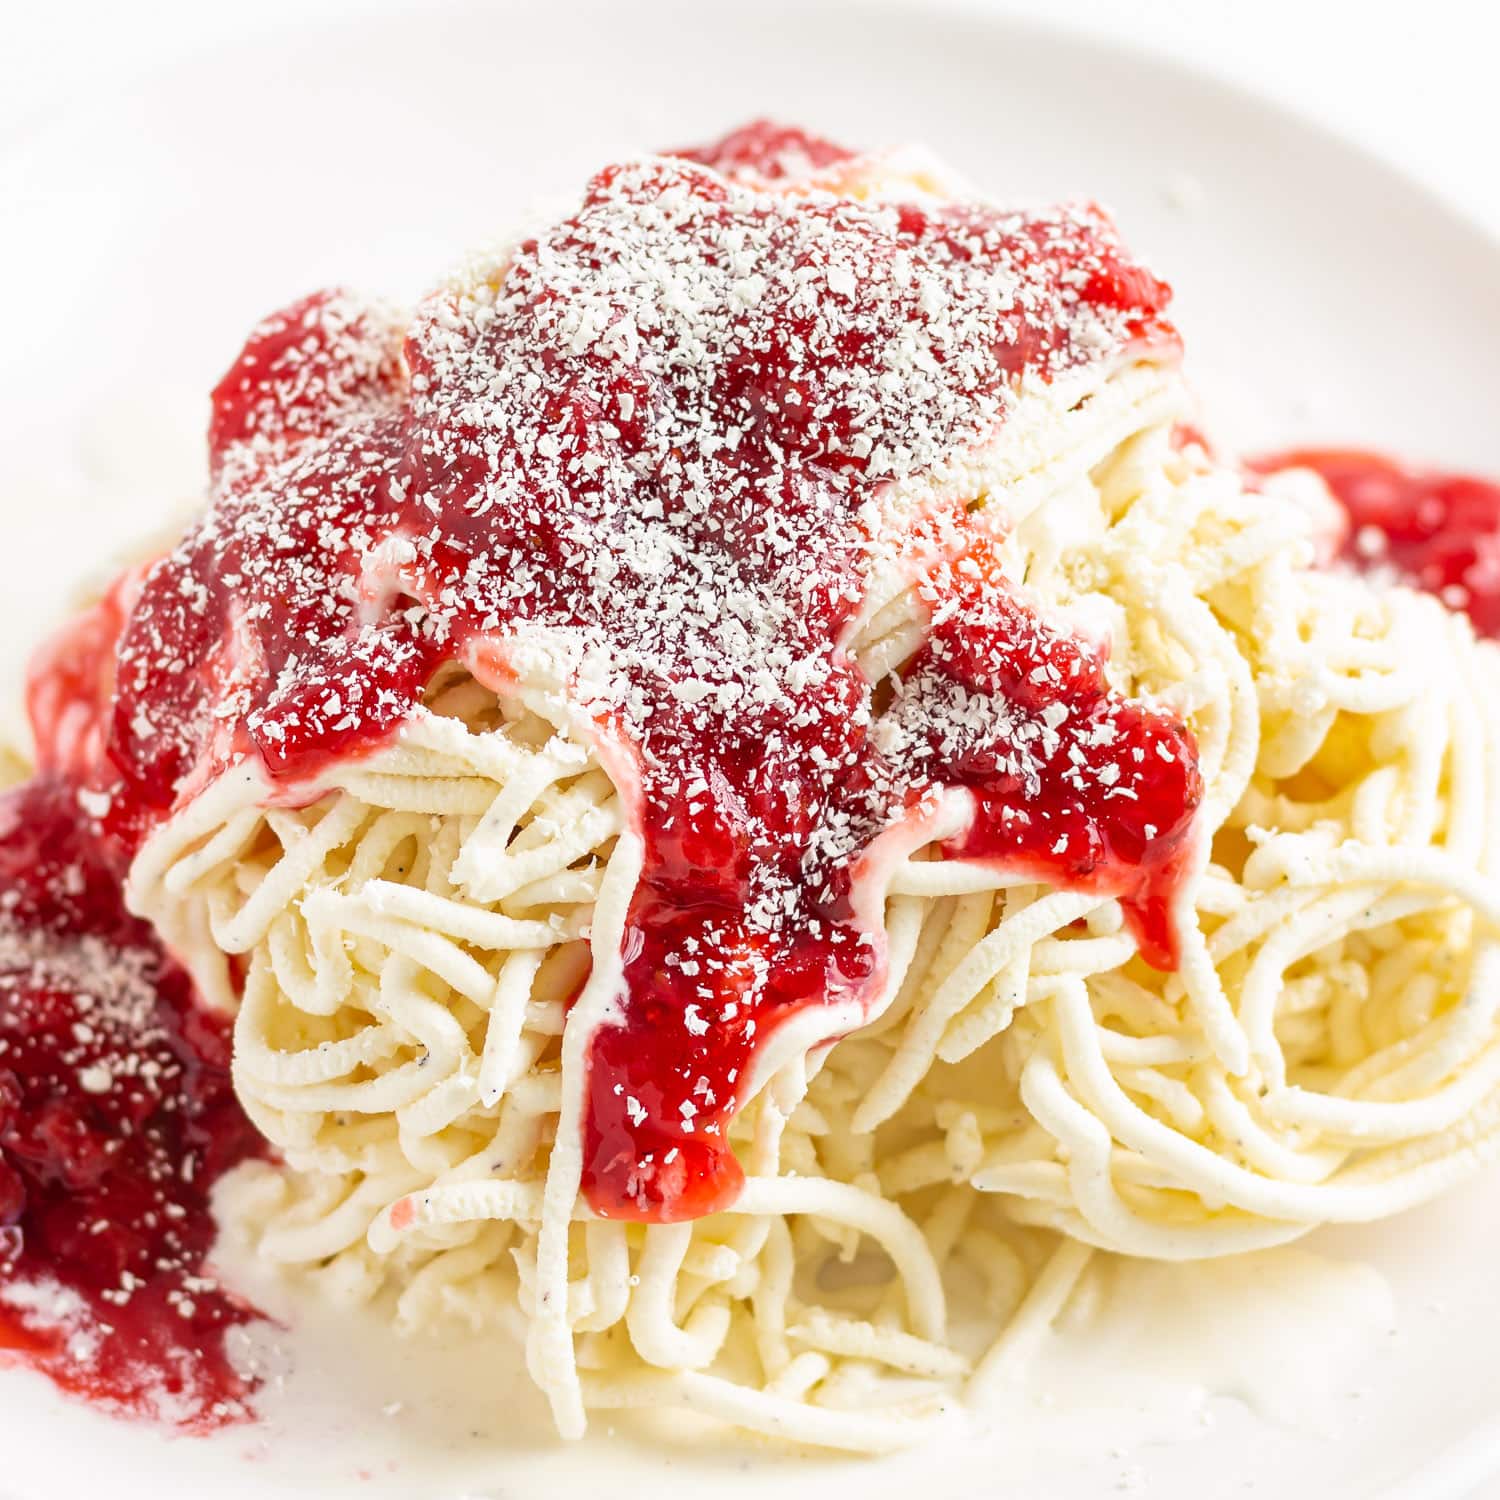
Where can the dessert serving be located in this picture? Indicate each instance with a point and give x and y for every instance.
(742, 788)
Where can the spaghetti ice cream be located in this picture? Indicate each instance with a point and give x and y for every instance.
(753, 794)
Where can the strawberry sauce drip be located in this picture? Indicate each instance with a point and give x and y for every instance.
(770, 151)
(116, 1118)
(1115, 822)
(648, 456)
(1432, 529)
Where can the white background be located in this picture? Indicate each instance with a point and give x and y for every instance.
(1419, 82)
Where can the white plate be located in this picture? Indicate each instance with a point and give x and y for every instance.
(1322, 295)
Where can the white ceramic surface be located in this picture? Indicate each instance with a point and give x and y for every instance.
(1322, 297)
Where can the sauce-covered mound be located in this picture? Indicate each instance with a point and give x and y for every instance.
(649, 458)
(116, 1118)
(647, 454)
(1429, 528)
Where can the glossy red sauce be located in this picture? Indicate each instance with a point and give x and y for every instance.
(770, 151)
(1112, 824)
(650, 444)
(1433, 529)
(116, 1118)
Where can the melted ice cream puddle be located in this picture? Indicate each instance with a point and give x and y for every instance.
(1139, 1359)
(1288, 1332)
